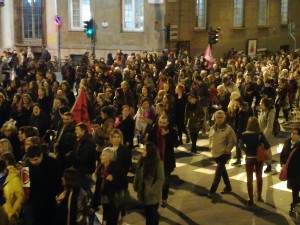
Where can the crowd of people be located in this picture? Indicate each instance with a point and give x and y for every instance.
(156, 101)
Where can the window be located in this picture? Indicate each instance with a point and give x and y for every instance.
(79, 12)
(284, 11)
(201, 14)
(262, 12)
(133, 15)
(32, 21)
(238, 10)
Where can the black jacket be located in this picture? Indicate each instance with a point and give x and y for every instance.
(45, 184)
(293, 167)
(171, 143)
(84, 155)
(119, 182)
(127, 127)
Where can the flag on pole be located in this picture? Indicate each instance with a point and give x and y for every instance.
(209, 57)
(80, 110)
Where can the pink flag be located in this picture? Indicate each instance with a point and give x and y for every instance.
(209, 57)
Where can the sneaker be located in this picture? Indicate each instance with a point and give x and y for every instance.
(164, 203)
(268, 169)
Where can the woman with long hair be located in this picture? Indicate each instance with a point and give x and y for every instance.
(5, 146)
(144, 118)
(251, 139)
(266, 122)
(180, 102)
(123, 156)
(72, 202)
(14, 106)
(148, 182)
(282, 99)
(25, 110)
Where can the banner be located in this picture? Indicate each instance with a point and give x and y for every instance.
(80, 110)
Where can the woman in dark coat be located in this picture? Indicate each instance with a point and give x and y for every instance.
(148, 182)
(127, 125)
(242, 114)
(251, 139)
(25, 110)
(72, 202)
(293, 170)
(39, 120)
(193, 121)
(179, 112)
(282, 100)
(110, 180)
(123, 156)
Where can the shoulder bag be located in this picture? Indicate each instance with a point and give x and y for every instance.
(261, 153)
(283, 171)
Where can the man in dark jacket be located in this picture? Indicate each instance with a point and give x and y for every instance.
(84, 154)
(166, 138)
(201, 89)
(65, 138)
(45, 183)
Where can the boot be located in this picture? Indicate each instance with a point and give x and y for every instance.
(268, 169)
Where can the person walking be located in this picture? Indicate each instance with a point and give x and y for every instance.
(148, 182)
(251, 139)
(166, 138)
(222, 139)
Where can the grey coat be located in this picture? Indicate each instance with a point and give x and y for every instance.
(149, 190)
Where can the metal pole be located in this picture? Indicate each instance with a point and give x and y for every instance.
(294, 40)
(58, 43)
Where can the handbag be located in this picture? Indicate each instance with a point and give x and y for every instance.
(120, 198)
(262, 154)
(283, 171)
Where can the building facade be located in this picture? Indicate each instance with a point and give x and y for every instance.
(148, 25)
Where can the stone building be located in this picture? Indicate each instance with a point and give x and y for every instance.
(141, 25)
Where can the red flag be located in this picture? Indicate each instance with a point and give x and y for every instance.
(80, 111)
(209, 57)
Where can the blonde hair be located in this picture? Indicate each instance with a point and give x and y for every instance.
(6, 145)
(116, 131)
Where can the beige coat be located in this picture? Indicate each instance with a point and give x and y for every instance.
(221, 140)
(266, 122)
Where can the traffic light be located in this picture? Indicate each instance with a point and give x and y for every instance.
(89, 28)
(213, 36)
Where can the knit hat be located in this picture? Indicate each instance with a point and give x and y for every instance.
(110, 153)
